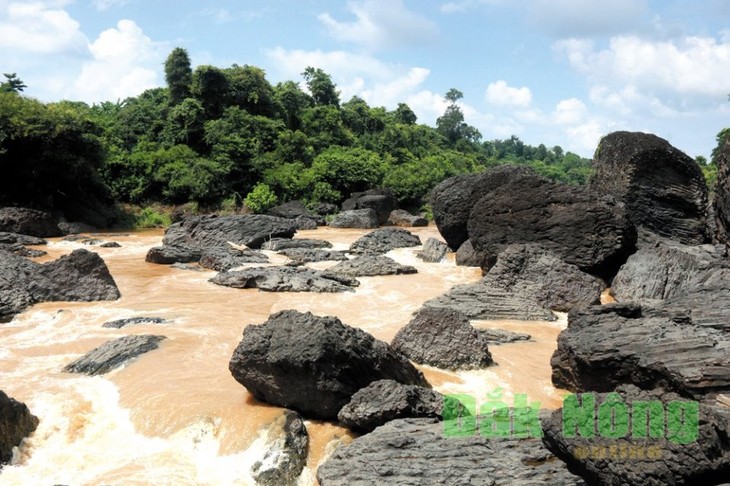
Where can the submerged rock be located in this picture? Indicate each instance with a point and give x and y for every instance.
(278, 244)
(501, 336)
(17, 239)
(314, 364)
(383, 240)
(222, 259)
(285, 279)
(401, 217)
(300, 256)
(370, 266)
(286, 454)
(16, 423)
(357, 218)
(433, 251)
(30, 222)
(113, 354)
(169, 254)
(133, 321)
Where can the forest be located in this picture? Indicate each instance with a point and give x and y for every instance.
(227, 139)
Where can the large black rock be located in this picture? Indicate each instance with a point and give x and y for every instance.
(356, 218)
(382, 240)
(286, 454)
(370, 266)
(16, 423)
(27, 221)
(314, 364)
(251, 230)
(285, 279)
(382, 201)
(113, 354)
(721, 203)
(663, 188)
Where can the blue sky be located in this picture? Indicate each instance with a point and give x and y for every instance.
(559, 72)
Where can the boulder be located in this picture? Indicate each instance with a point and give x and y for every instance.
(314, 364)
(110, 244)
(721, 201)
(307, 223)
(251, 230)
(75, 228)
(453, 199)
(170, 254)
(113, 354)
(593, 233)
(416, 451)
(133, 321)
(466, 256)
(385, 400)
(433, 251)
(382, 240)
(16, 423)
(650, 461)
(286, 452)
(300, 256)
(662, 188)
(501, 336)
(325, 209)
(370, 266)
(443, 338)
(277, 244)
(27, 221)
(382, 201)
(291, 210)
(285, 279)
(401, 217)
(222, 259)
(357, 218)
(16, 239)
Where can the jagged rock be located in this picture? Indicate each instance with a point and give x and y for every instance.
(16, 239)
(22, 251)
(277, 244)
(501, 336)
(205, 232)
(300, 256)
(721, 202)
(285, 279)
(416, 451)
(652, 461)
(382, 201)
(314, 364)
(291, 210)
(16, 423)
(169, 254)
(286, 454)
(357, 218)
(307, 223)
(466, 256)
(113, 354)
(681, 346)
(110, 244)
(27, 221)
(75, 228)
(193, 267)
(325, 209)
(222, 259)
(383, 240)
(133, 321)
(443, 338)
(593, 233)
(385, 400)
(433, 251)
(663, 188)
(453, 199)
(401, 217)
(371, 266)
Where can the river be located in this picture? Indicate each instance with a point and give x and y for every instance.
(175, 415)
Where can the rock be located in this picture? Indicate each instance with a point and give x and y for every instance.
(277, 244)
(193, 267)
(251, 230)
(81, 276)
(415, 451)
(314, 364)
(285, 279)
(306, 223)
(466, 256)
(16, 239)
(325, 209)
(453, 199)
(357, 218)
(443, 338)
(370, 266)
(682, 347)
(401, 217)
(382, 201)
(111, 244)
(76, 228)
(650, 461)
(721, 202)
(286, 454)
(382, 240)
(169, 254)
(222, 259)
(663, 188)
(433, 251)
(23, 251)
(501, 336)
(113, 354)
(291, 210)
(91, 241)
(300, 256)
(590, 232)
(26, 221)
(16, 423)
(133, 321)
(385, 400)
(74, 238)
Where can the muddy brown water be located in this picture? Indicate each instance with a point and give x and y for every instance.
(175, 415)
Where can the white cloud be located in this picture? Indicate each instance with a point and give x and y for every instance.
(499, 93)
(381, 24)
(569, 112)
(39, 28)
(102, 5)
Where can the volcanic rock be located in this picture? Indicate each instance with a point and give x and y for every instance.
(357, 218)
(285, 279)
(383, 240)
(113, 354)
(382, 201)
(26, 221)
(16, 423)
(286, 453)
(251, 230)
(401, 217)
(433, 251)
(370, 266)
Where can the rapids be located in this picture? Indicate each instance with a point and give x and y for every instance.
(175, 415)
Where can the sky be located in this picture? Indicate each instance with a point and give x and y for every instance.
(558, 72)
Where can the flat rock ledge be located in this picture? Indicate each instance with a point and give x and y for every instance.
(285, 279)
(113, 354)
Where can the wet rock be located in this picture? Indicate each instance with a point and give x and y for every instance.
(401, 217)
(113, 354)
(22, 251)
(417, 451)
(193, 267)
(300, 256)
(382, 201)
(222, 259)
(357, 218)
(74, 237)
(663, 188)
(16, 423)
(501, 336)
(325, 209)
(278, 244)
(169, 254)
(76, 227)
(314, 364)
(385, 400)
(721, 202)
(205, 232)
(466, 256)
(133, 321)
(453, 199)
(652, 461)
(91, 241)
(433, 251)
(371, 266)
(383, 240)
(16, 239)
(590, 232)
(110, 244)
(285, 279)
(81, 276)
(443, 338)
(27, 221)
(307, 223)
(286, 454)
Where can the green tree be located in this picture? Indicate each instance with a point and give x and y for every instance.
(347, 170)
(12, 84)
(178, 74)
(185, 123)
(260, 198)
(404, 114)
(324, 91)
(291, 102)
(452, 125)
(249, 89)
(210, 87)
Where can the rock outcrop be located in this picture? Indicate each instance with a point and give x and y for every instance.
(133, 321)
(285, 279)
(16, 423)
(401, 217)
(278, 244)
(721, 202)
(171, 254)
(205, 232)
(383, 240)
(300, 256)
(356, 218)
(291, 210)
(467, 256)
(433, 251)
(314, 364)
(382, 201)
(113, 354)
(286, 454)
(222, 259)
(370, 266)
(662, 188)
(30, 222)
